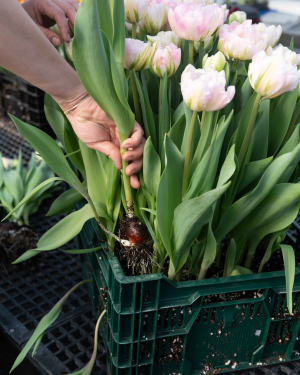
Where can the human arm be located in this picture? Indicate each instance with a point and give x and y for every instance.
(25, 51)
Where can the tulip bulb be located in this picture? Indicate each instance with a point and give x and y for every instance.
(205, 91)
(166, 60)
(271, 75)
(136, 54)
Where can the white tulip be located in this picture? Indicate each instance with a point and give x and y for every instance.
(135, 10)
(284, 52)
(205, 91)
(272, 75)
(165, 38)
(155, 19)
(273, 33)
(215, 62)
(137, 54)
(238, 16)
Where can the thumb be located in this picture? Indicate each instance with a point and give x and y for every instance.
(51, 35)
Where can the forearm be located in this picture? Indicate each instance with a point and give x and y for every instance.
(26, 52)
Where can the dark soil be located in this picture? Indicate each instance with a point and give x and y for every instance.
(14, 241)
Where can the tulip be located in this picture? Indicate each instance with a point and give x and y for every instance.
(241, 41)
(238, 16)
(215, 62)
(169, 4)
(205, 91)
(166, 60)
(271, 75)
(165, 38)
(194, 22)
(136, 54)
(273, 33)
(285, 53)
(202, 91)
(154, 19)
(226, 13)
(135, 10)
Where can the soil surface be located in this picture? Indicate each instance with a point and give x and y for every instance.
(14, 241)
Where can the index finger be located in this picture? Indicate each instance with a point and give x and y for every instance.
(136, 137)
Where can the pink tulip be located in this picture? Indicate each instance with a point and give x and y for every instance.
(205, 91)
(166, 60)
(241, 41)
(194, 22)
(135, 10)
(169, 4)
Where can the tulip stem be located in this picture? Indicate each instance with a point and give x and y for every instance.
(202, 121)
(137, 109)
(191, 52)
(292, 123)
(188, 154)
(133, 33)
(248, 134)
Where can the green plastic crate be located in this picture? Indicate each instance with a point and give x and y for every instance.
(156, 327)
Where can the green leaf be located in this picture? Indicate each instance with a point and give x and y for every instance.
(177, 131)
(106, 19)
(151, 231)
(230, 258)
(19, 167)
(14, 183)
(56, 120)
(92, 59)
(61, 233)
(241, 208)
(209, 253)
(238, 271)
(95, 174)
(50, 152)
(1, 171)
(228, 168)
(189, 217)
(253, 171)
(292, 142)
(280, 120)
(65, 202)
(148, 119)
(289, 266)
(151, 168)
(81, 251)
(164, 116)
(292, 44)
(45, 323)
(169, 192)
(113, 186)
(32, 193)
(260, 135)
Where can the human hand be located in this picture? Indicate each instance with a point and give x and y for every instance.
(99, 132)
(46, 13)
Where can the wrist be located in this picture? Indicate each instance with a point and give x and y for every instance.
(71, 98)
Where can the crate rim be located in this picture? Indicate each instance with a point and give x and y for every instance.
(122, 278)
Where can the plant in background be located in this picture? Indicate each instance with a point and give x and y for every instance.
(16, 182)
(221, 161)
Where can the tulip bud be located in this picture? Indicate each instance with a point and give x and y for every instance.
(166, 60)
(206, 44)
(215, 62)
(238, 16)
(135, 10)
(285, 53)
(273, 33)
(272, 75)
(194, 22)
(136, 54)
(154, 19)
(68, 49)
(241, 41)
(165, 38)
(205, 91)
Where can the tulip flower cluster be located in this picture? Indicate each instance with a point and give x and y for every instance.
(218, 100)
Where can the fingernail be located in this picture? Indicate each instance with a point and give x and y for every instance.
(127, 145)
(133, 172)
(55, 41)
(68, 38)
